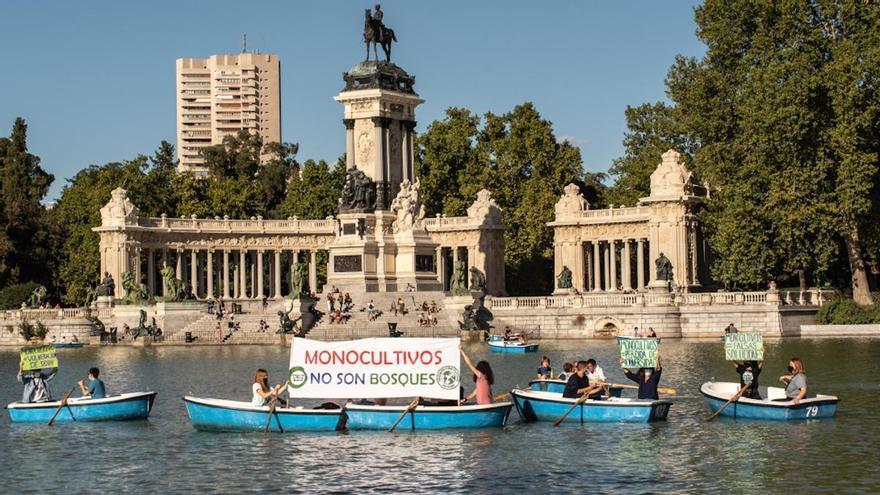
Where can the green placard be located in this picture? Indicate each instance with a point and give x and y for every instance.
(37, 358)
(745, 346)
(639, 353)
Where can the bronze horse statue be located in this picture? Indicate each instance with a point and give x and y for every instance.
(376, 33)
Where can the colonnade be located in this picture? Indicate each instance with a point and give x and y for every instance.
(608, 265)
(234, 273)
(446, 258)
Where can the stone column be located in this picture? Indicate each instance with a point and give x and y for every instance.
(626, 274)
(178, 274)
(294, 260)
(259, 292)
(252, 261)
(588, 268)
(241, 293)
(349, 143)
(137, 265)
(409, 127)
(380, 125)
(226, 273)
(164, 265)
(613, 280)
(640, 264)
(236, 279)
(579, 267)
(313, 272)
(438, 267)
(277, 270)
(151, 271)
(209, 265)
(597, 268)
(194, 272)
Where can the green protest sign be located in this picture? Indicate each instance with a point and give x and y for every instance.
(638, 353)
(746, 346)
(37, 358)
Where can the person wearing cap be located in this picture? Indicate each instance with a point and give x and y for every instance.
(647, 378)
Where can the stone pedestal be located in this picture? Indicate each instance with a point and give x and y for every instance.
(659, 286)
(562, 292)
(104, 302)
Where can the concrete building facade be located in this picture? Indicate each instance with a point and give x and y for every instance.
(220, 95)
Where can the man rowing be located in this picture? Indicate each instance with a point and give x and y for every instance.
(578, 384)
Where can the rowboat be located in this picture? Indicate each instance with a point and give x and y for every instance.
(549, 406)
(368, 417)
(69, 345)
(814, 407)
(230, 415)
(631, 337)
(136, 405)
(500, 338)
(558, 386)
(508, 346)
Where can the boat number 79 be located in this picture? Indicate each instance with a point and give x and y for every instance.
(812, 411)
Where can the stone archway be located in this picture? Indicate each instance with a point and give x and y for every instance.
(607, 327)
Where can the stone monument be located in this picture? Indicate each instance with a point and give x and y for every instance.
(381, 244)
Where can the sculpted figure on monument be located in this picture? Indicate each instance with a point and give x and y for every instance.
(664, 268)
(36, 298)
(133, 291)
(174, 287)
(299, 280)
(458, 278)
(107, 287)
(406, 207)
(358, 193)
(377, 33)
(564, 278)
(478, 280)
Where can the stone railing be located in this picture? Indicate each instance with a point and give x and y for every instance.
(52, 314)
(253, 225)
(812, 298)
(451, 223)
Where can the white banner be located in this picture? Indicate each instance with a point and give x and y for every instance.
(374, 368)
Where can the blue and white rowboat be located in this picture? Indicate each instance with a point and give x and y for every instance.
(549, 406)
(500, 338)
(230, 415)
(718, 393)
(510, 346)
(136, 405)
(558, 386)
(428, 417)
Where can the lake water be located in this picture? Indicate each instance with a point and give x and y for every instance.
(682, 455)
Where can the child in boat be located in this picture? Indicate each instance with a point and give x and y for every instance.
(95, 388)
(483, 380)
(566, 371)
(748, 374)
(36, 388)
(795, 381)
(648, 380)
(262, 393)
(545, 372)
(578, 384)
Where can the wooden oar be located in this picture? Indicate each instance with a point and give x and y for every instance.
(732, 399)
(62, 404)
(578, 402)
(412, 405)
(272, 403)
(662, 390)
(501, 397)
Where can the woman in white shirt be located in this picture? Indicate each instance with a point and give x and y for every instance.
(262, 393)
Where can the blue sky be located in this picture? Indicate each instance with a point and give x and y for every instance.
(95, 80)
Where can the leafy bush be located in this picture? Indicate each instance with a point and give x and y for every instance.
(30, 331)
(843, 311)
(13, 295)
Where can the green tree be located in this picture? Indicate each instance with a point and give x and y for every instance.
(314, 192)
(24, 236)
(442, 153)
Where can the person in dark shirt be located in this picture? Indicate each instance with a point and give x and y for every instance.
(578, 384)
(748, 373)
(648, 379)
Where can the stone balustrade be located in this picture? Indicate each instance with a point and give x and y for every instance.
(629, 214)
(813, 297)
(251, 226)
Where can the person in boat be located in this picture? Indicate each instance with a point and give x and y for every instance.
(748, 375)
(795, 381)
(545, 372)
(651, 333)
(508, 335)
(262, 393)
(566, 371)
(483, 380)
(595, 372)
(36, 384)
(523, 339)
(647, 378)
(95, 388)
(636, 333)
(578, 384)
(730, 329)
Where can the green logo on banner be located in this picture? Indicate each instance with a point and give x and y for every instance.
(296, 377)
(447, 377)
